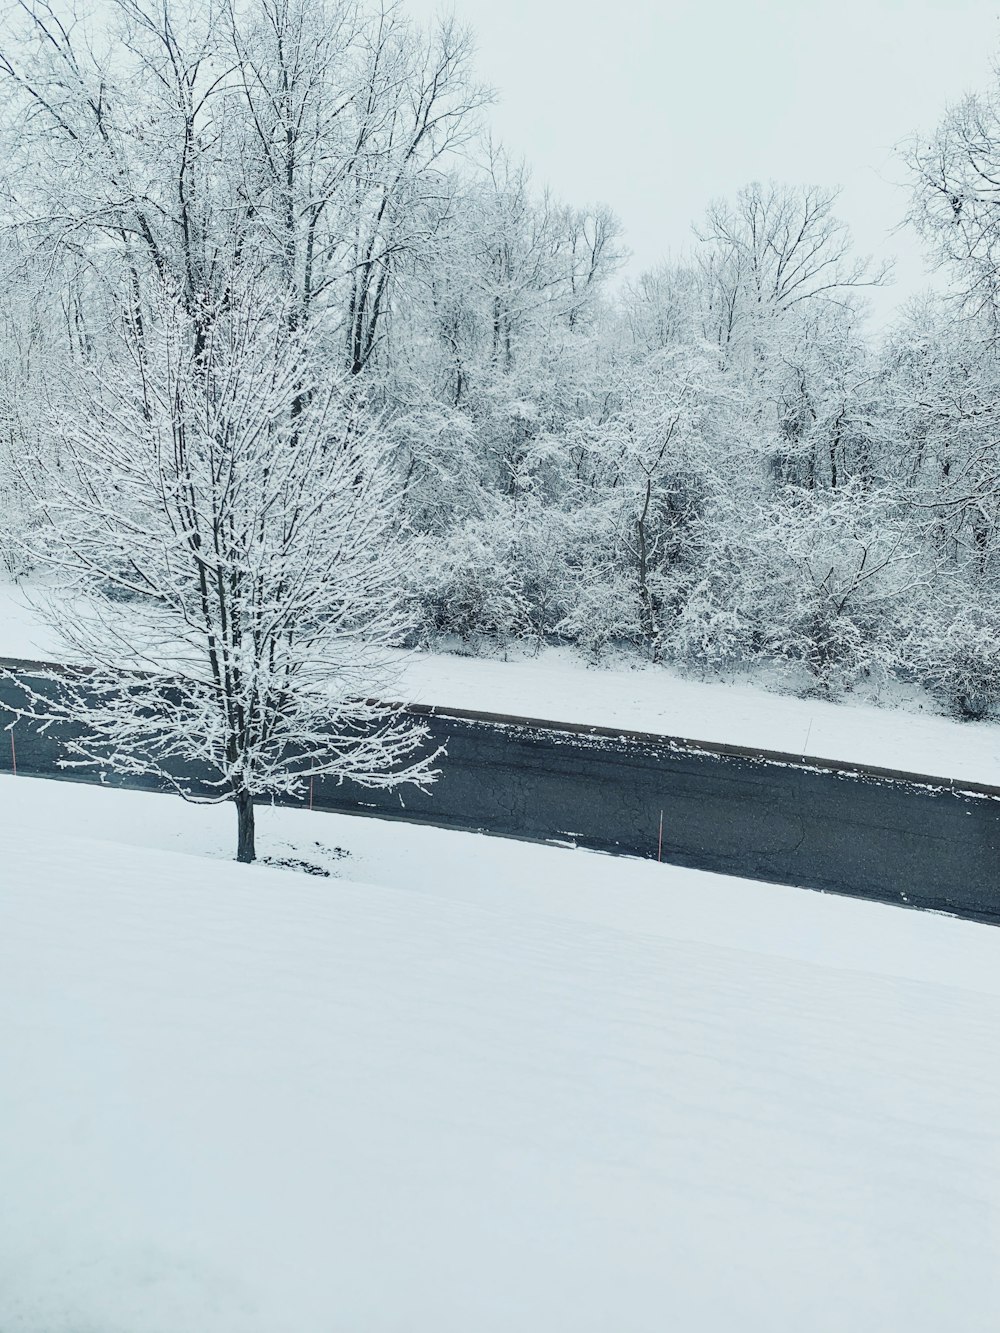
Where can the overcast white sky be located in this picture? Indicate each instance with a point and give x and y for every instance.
(655, 108)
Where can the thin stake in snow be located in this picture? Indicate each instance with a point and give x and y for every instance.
(659, 846)
(13, 754)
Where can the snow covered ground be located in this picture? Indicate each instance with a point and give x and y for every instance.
(473, 1086)
(558, 686)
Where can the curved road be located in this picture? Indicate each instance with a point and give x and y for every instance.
(897, 837)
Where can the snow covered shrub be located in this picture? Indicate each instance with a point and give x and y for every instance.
(605, 614)
(708, 630)
(841, 651)
(597, 588)
(18, 520)
(955, 652)
(493, 580)
(803, 577)
(470, 583)
(840, 564)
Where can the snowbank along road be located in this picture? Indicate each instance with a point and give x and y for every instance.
(920, 841)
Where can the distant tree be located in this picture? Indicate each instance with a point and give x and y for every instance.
(172, 139)
(225, 537)
(805, 577)
(939, 404)
(956, 180)
(662, 308)
(640, 478)
(771, 251)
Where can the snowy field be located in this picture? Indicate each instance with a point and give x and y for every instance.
(474, 1086)
(558, 686)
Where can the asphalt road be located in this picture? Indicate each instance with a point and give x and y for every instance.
(872, 833)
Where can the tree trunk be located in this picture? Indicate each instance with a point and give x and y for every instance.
(645, 595)
(245, 849)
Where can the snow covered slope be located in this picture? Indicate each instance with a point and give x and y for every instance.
(471, 1086)
(558, 686)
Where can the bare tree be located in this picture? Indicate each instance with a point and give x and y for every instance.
(227, 563)
(304, 132)
(956, 190)
(772, 249)
(349, 111)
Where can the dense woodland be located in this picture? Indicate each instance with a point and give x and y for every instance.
(712, 465)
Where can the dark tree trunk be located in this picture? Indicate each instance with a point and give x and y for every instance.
(245, 849)
(649, 616)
